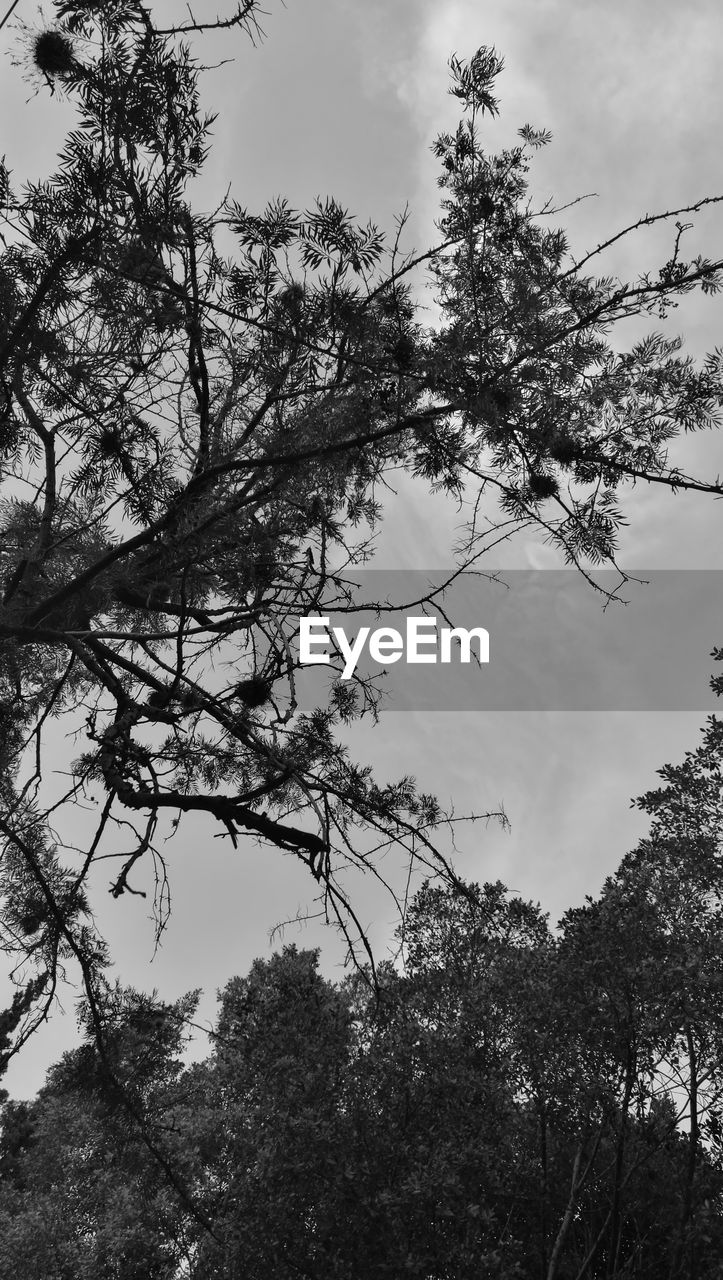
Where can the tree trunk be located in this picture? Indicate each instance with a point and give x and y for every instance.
(567, 1218)
(687, 1213)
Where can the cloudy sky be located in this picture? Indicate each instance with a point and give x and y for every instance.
(346, 99)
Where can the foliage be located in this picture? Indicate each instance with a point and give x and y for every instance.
(192, 437)
(514, 1102)
(82, 1194)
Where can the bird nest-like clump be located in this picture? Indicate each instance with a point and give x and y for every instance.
(53, 53)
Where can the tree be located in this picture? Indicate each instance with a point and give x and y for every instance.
(82, 1194)
(202, 433)
(513, 1103)
(637, 983)
(281, 1183)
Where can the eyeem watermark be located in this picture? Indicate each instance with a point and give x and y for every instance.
(422, 642)
(552, 645)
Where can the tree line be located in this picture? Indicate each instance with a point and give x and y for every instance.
(513, 1101)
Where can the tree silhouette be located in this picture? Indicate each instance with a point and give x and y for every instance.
(193, 436)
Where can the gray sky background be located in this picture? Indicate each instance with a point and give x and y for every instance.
(346, 99)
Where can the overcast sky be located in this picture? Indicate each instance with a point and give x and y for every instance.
(346, 99)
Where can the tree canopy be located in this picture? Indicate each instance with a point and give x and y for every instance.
(516, 1101)
(199, 409)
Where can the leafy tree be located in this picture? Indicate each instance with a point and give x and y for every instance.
(281, 1177)
(192, 435)
(514, 1101)
(636, 984)
(82, 1193)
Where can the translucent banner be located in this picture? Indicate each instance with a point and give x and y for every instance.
(522, 640)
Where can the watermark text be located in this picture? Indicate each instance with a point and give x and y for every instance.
(422, 642)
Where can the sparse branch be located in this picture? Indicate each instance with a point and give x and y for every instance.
(245, 17)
